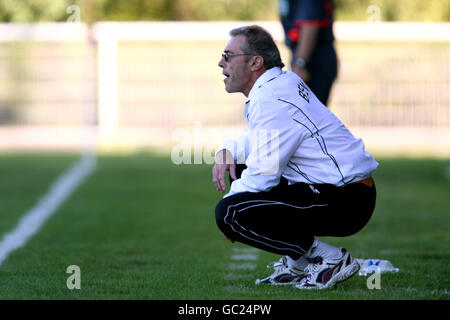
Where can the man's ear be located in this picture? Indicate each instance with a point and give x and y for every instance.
(256, 63)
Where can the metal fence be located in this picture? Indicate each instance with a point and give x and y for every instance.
(148, 76)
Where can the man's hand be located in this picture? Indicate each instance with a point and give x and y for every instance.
(305, 49)
(224, 162)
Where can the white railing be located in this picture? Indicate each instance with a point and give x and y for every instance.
(137, 82)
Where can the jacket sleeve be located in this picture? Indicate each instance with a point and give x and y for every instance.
(274, 138)
(239, 148)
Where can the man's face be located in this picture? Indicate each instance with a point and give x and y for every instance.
(236, 70)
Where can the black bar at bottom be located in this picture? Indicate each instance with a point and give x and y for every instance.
(222, 309)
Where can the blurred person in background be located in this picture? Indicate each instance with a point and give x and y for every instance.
(308, 28)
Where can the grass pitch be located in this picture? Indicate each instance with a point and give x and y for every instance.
(143, 228)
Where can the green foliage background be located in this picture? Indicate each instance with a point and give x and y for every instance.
(221, 10)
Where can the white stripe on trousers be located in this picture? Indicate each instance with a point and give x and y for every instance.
(265, 240)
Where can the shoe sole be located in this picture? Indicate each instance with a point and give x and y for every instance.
(277, 283)
(273, 283)
(345, 274)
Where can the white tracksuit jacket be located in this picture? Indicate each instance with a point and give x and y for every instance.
(292, 134)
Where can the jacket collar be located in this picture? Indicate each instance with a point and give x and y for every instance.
(264, 78)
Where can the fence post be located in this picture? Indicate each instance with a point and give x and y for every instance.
(107, 77)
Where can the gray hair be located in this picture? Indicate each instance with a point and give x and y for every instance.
(259, 42)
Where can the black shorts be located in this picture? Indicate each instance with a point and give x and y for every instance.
(323, 68)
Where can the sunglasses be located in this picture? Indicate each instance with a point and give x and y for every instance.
(227, 56)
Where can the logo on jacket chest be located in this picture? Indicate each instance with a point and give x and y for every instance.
(303, 91)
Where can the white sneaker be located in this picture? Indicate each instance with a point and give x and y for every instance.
(283, 275)
(325, 273)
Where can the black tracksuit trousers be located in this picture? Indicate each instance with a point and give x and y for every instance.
(286, 219)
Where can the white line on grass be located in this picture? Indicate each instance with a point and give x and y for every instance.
(242, 266)
(242, 256)
(234, 276)
(247, 257)
(60, 191)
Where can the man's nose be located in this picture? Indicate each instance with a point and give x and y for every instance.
(221, 62)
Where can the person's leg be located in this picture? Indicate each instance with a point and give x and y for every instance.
(271, 221)
(323, 70)
(350, 209)
(320, 85)
(326, 270)
(286, 219)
